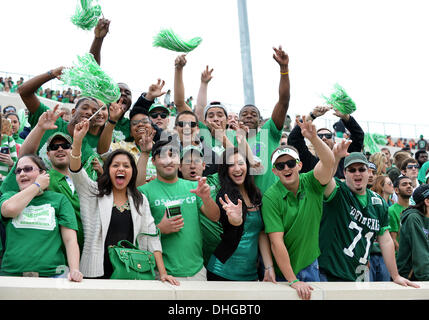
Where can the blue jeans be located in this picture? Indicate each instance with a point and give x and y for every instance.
(378, 270)
(308, 274)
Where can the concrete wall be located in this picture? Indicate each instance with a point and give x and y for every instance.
(16, 288)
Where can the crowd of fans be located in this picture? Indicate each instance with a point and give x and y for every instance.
(234, 197)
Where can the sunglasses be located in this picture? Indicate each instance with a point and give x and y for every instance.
(26, 169)
(326, 135)
(136, 122)
(290, 163)
(56, 146)
(155, 115)
(353, 170)
(181, 124)
(413, 166)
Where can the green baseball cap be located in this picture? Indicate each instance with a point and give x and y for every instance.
(189, 148)
(158, 105)
(59, 135)
(355, 157)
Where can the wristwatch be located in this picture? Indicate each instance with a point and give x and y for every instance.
(312, 116)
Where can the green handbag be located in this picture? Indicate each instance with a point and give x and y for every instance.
(131, 263)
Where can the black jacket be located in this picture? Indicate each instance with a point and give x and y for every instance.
(309, 161)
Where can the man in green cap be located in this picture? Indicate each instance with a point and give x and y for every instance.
(160, 115)
(353, 216)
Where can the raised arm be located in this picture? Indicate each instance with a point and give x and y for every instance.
(28, 89)
(209, 207)
(357, 135)
(46, 122)
(279, 113)
(79, 133)
(324, 168)
(115, 113)
(179, 87)
(206, 76)
(100, 32)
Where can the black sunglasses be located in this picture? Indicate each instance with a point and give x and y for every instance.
(26, 169)
(290, 163)
(56, 146)
(181, 124)
(326, 135)
(155, 115)
(353, 170)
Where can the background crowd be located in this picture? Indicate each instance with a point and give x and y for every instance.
(234, 197)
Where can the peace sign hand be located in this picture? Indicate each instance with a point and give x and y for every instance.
(233, 211)
(203, 189)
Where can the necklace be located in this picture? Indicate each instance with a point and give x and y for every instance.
(125, 206)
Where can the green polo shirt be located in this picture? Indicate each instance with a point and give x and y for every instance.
(58, 183)
(297, 216)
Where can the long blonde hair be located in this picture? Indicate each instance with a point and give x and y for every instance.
(379, 159)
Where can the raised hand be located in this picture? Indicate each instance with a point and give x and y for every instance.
(308, 129)
(341, 115)
(116, 110)
(281, 57)
(242, 132)
(180, 61)
(340, 149)
(80, 130)
(48, 118)
(319, 111)
(57, 72)
(102, 28)
(206, 76)
(155, 90)
(43, 179)
(146, 141)
(96, 165)
(203, 189)
(233, 211)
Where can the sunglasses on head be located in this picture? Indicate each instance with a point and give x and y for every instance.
(326, 135)
(136, 122)
(181, 124)
(56, 146)
(26, 169)
(413, 166)
(353, 170)
(290, 164)
(155, 115)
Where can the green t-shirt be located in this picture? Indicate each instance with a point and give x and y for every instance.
(422, 173)
(34, 242)
(8, 141)
(214, 143)
(297, 216)
(395, 211)
(348, 230)
(122, 130)
(182, 251)
(17, 138)
(263, 145)
(210, 230)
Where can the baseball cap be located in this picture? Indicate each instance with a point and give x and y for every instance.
(190, 148)
(60, 135)
(214, 104)
(158, 105)
(355, 157)
(282, 151)
(372, 166)
(421, 193)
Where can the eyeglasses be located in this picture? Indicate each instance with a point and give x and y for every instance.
(181, 124)
(353, 170)
(155, 115)
(56, 146)
(290, 163)
(326, 135)
(26, 169)
(413, 166)
(136, 122)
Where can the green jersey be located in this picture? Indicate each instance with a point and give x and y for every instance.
(182, 251)
(298, 217)
(34, 242)
(214, 143)
(348, 230)
(263, 145)
(8, 142)
(122, 130)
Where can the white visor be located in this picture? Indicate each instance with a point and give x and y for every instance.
(282, 152)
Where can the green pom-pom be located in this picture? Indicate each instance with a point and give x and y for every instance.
(370, 145)
(341, 101)
(86, 15)
(93, 82)
(167, 39)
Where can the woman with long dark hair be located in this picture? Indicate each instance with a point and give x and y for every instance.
(112, 209)
(239, 200)
(413, 253)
